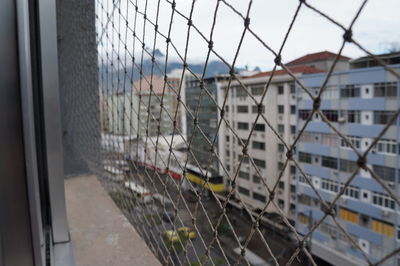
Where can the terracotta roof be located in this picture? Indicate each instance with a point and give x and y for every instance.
(295, 69)
(315, 57)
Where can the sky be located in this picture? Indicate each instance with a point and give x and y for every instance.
(376, 28)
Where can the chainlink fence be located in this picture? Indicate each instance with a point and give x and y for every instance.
(160, 160)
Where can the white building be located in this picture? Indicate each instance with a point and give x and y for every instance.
(266, 150)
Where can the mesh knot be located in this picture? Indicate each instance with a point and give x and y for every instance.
(348, 35)
(330, 211)
(153, 59)
(174, 123)
(185, 65)
(190, 22)
(144, 16)
(243, 252)
(278, 60)
(232, 72)
(361, 162)
(212, 149)
(317, 103)
(260, 108)
(173, 5)
(272, 196)
(301, 244)
(195, 121)
(143, 45)
(210, 44)
(156, 27)
(246, 22)
(222, 114)
(202, 84)
(302, 1)
(165, 78)
(244, 150)
(289, 154)
(168, 40)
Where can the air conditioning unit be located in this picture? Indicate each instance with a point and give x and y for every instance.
(364, 245)
(390, 184)
(341, 119)
(294, 97)
(343, 199)
(280, 117)
(262, 135)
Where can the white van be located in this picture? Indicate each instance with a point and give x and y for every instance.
(141, 193)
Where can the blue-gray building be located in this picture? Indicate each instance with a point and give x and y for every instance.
(359, 103)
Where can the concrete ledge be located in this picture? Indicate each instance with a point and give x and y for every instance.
(101, 235)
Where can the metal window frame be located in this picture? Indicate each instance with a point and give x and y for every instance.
(58, 238)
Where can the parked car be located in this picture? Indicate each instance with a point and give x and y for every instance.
(187, 232)
(189, 196)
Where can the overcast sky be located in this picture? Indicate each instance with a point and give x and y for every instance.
(377, 26)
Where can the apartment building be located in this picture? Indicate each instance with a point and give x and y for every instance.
(265, 149)
(359, 103)
(205, 106)
(151, 95)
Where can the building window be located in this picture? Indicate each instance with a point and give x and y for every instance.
(351, 116)
(213, 123)
(244, 191)
(383, 200)
(259, 163)
(254, 109)
(280, 89)
(292, 130)
(382, 117)
(256, 179)
(280, 165)
(293, 169)
(240, 92)
(281, 128)
(351, 192)
(242, 109)
(226, 108)
(348, 215)
(350, 91)
(257, 90)
(227, 138)
(227, 153)
(259, 127)
(329, 185)
(281, 109)
(228, 167)
(293, 188)
(329, 162)
(331, 115)
(293, 109)
(304, 114)
(304, 219)
(303, 180)
(258, 145)
(347, 166)
(281, 147)
(292, 88)
(243, 126)
(259, 197)
(281, 203)
(387, 146)
(244, 175)
(356, 141)
(305, 157)
(382, 228)
(281, 185)
(245, 159)
(386, 173)
(386, 89)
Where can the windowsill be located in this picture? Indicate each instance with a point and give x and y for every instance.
(100, 233)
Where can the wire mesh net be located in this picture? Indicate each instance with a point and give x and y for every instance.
(164, 151)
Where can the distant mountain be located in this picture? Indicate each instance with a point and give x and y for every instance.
(214, 67)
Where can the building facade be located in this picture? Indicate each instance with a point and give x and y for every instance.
(205, 106)
(359, 103)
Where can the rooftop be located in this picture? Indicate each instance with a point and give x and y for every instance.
(295, 70)
(325, 55)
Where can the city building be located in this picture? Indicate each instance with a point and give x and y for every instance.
(204, 105)
(265, 149)
(359, 103)
(152, 92)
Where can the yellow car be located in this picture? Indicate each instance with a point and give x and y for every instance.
(187, 232)
(171, 236)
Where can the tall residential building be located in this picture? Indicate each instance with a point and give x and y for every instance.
(205, 105)
(150, 106)
(265, 148)
(359, 103)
